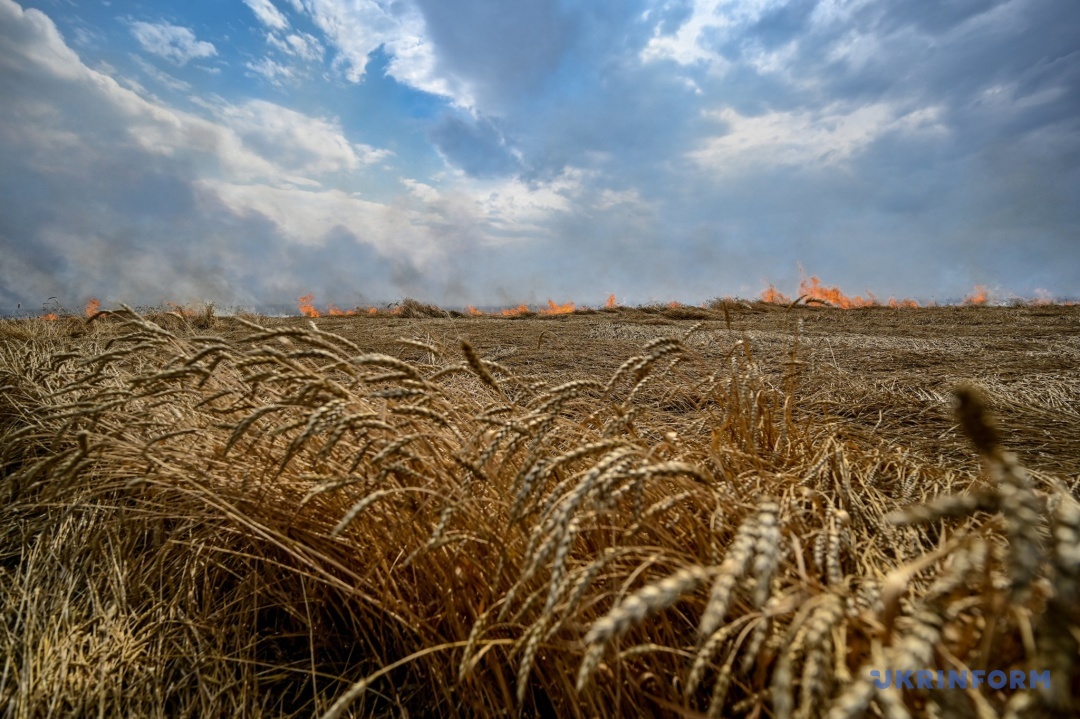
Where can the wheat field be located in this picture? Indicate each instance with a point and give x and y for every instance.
(737, 510)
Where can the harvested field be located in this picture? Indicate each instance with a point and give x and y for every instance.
(670, 511)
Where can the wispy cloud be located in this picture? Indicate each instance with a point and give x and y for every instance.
(806, 139)
(268, 14)
(357, 28)
(300, 44)
(172, 42)
(163, 78)
(297, 143)
(269, 70)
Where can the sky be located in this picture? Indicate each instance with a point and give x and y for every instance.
(474, 152)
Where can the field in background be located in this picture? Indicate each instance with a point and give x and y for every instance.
(666, 510)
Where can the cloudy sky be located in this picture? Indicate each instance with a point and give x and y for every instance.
(483, 152)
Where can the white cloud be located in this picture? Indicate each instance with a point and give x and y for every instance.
(269, 70)
(714, 23)
(298, 143)
(684, 45)
(424, 192)
(254, 141)
(107, 108)
(209, 177)
(830, 136)
(771, 62)
(174, 43)
(613, 198)
(307, 217)
(301, 45)
(47, 50)
(505, 208)
(413, 63)
(512, 204)
(87, 37)
(1008, 98)
(494, 212)
(710, 22)
(357, 28)
(829, 12)
(163, 78)
(268, 14)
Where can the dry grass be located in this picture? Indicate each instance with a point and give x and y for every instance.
(672, 511)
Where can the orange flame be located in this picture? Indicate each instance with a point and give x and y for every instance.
(814, 290)
(674, 305)
(307, 309)
(611, 302)
(51, 317)
(1042, 298)
(774, 297)
(473, 312)
(515, 311)
(92, 307)
(180, 309)
(554, 309)
(372, 311)
(893, 302)
(979, 296)
(335, 311)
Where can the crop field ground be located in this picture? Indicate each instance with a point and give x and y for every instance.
(654, 511)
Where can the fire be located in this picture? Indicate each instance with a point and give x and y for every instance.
(334, 311)
(473, 312)
(554, 309)
(92, 307)
(372, 311)
(814, 290)
(180, 309)
(610, 304)
(979, 296)
(774, 296)
(893, 302)
(51, 317)
(515, 311)
(307, 309)
(674, 305)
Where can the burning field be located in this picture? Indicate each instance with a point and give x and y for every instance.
(741, 509)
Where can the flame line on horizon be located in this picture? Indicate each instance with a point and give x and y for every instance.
(811, 291)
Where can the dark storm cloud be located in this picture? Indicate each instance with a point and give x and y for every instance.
(475, 145)
(782, 24)
(983, 194)
(932, 16)
(907, 52)
(504, 52)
